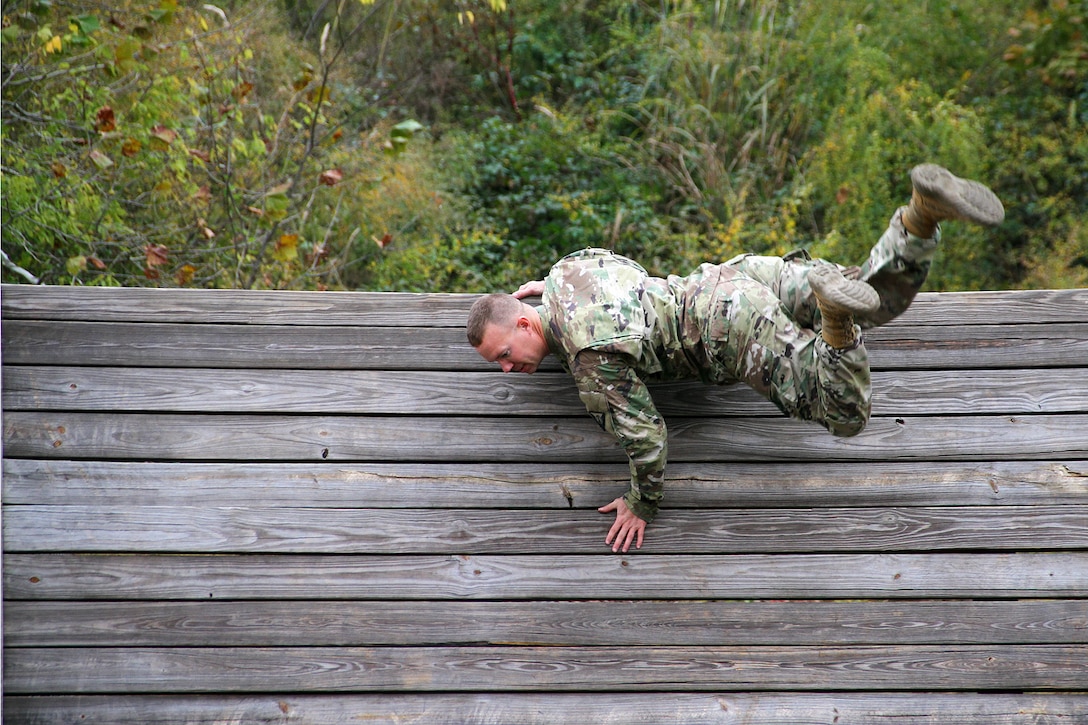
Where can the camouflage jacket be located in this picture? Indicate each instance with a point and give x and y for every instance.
(615, 328)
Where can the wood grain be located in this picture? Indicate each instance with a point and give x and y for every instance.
(332, 439)
(315, 530)
(550, 486)
(912, 392)
(524, 577)
(724, 708)
(30, 342)
(224, 506)
(543, 669)
(811, 623)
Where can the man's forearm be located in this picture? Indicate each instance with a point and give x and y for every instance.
(647, 482)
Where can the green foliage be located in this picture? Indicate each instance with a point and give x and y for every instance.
(471, 261)
(1042, 139)
(554, 188)
(435, 145)
(962, 103)
(191, 157)
(882, 127)
(713, 114)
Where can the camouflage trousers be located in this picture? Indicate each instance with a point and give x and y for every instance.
(773, 322)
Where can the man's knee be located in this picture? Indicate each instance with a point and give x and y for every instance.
(845, 389)
(845, 424)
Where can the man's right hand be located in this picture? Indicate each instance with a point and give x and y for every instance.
(627, 529)
(530, 289)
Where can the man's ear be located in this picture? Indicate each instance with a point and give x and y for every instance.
(523, 323)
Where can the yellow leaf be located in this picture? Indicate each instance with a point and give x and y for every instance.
(54, 45)
(185, 274)
(286, 248)
(203, 24)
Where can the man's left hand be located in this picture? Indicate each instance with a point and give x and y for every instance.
(530, 289)
(627, 528)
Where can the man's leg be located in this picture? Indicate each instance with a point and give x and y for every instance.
(790, 365)
(787, 277)
(897, 268)
(899, 262)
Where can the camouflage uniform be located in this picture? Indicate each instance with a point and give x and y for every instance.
(751, 320)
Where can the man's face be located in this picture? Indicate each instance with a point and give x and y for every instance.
(516, 348)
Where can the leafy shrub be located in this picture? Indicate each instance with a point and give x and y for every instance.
(471, 261)
(859, 172)
(552, 188)
(194, 160)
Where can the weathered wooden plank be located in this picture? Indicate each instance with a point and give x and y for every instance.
(1017, 347)
(239, 346)
(29, 342)
(279, 307)
(604, 576)
(764, 708)
(328, 438)
(548, 669)
(309, 391)
(438, 310)
(977, 308)
(585, 623)
(910, 392)
(315, 530)
(557, 485)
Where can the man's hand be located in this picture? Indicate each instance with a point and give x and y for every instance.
(627, 528)
(530, 289)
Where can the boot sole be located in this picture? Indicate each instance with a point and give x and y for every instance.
(965, 199)
(851, 295)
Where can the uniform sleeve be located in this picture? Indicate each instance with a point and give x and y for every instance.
(620, 402)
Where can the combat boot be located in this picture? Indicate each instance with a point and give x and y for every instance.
(839, 299)
(940, 195)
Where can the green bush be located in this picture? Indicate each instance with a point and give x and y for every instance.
(171, 151)
(552, 187)
(859, 172)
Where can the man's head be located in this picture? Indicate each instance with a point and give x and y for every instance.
(506, 331)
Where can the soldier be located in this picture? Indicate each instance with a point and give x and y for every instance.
(788, 327)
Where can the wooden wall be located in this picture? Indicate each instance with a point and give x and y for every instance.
(323, 507)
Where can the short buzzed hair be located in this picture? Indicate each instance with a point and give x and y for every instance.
(493, 309)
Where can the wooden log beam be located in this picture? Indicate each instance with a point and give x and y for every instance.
(448, 310)
(30, 342)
